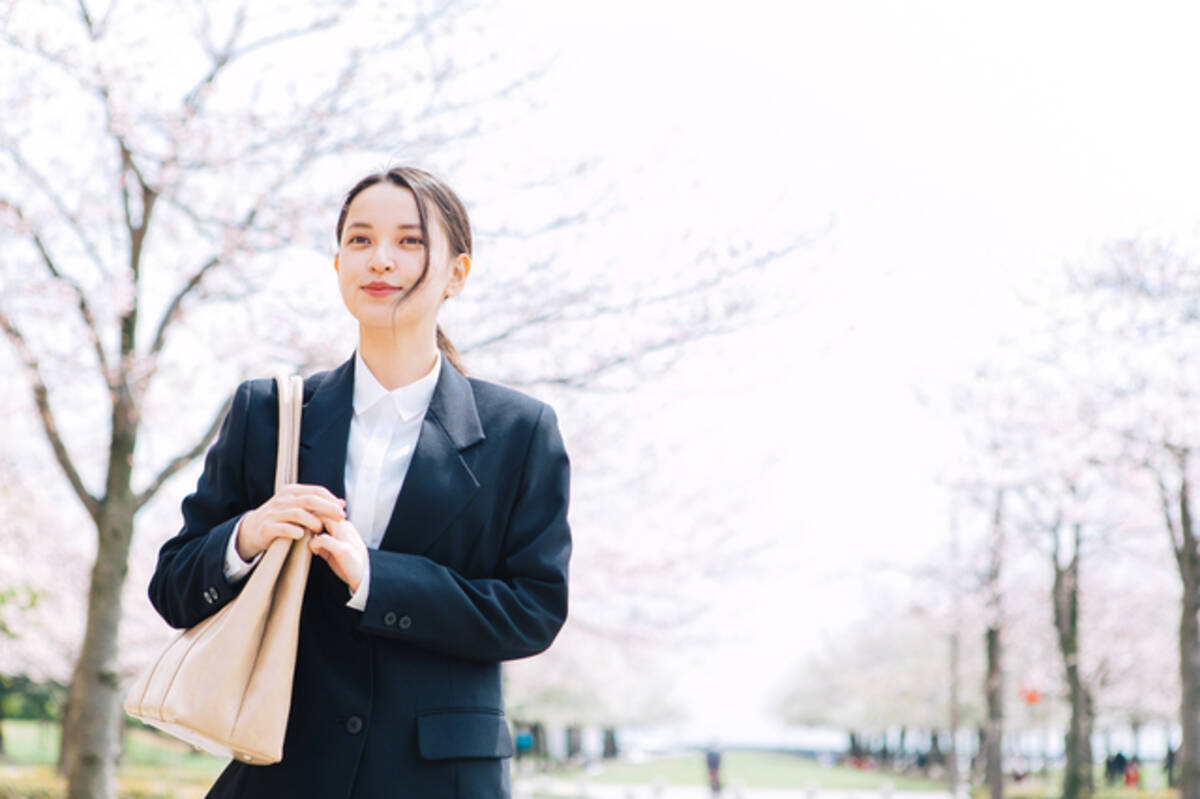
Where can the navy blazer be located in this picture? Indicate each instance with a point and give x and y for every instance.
(404, 698)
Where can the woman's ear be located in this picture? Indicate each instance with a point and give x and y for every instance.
(460, 267)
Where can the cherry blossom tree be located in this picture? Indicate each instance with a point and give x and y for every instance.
(169, 172)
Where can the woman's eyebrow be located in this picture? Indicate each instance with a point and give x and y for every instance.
(368, 225)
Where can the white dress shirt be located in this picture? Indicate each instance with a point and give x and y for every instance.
(383, 437)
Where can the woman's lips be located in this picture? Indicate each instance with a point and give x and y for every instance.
(380, 289)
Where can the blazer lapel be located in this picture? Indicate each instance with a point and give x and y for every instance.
(325, 429)
(439, 482)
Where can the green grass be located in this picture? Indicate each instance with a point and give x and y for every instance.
(1053, 790)
(31, 742)
(751, 770)
(1035, 788)
(154, 765)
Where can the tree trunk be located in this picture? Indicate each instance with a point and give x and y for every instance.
(994, 682)
(855, 746)
(91, 742)
(1189, 673)
(936, 757)
(955, 715)
(574, 741)
(1189, 639)
(610, 743)
(538, 730)
(1078, 782)
(955, 711)
(1077, 778)
(994, 730)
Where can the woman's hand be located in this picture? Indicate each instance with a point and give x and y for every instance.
(344, 550)
(293, 511)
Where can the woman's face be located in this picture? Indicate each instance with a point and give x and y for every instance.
(381, 255)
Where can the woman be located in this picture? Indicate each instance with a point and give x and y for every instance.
(438, 505)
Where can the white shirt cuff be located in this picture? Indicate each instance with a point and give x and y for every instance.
(358, 600)
(235, 567)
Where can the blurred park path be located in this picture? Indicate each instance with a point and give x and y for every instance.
(545, 788)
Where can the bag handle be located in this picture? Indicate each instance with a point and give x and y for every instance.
(291, 399)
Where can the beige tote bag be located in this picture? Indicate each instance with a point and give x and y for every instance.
(225, 685)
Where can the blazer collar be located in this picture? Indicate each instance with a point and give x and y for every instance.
(453, 405)
(439, 481)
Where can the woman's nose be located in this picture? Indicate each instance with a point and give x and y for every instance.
(382, 260)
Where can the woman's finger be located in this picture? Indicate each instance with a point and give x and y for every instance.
(312, 502)
(340, 556)
(322, 505)
(327, 511)
(277, 529)
(319, 492)
(287, 529)
(343, 531)
(303, 518)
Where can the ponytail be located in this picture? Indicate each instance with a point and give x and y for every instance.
(447, 349)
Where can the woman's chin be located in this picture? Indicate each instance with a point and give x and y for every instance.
(386, 322)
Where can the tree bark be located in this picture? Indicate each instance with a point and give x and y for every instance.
(538, 730)
(1184, 541)
(1189, 673)
(994, 729)
(955, 716)
(1077, 778)
(574, 741)
(610, 743)
(955, 711)
(994, 684)
(91, 740)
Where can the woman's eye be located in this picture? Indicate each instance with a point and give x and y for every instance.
(356, 240)
(411, 241)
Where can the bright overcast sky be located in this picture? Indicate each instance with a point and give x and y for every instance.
(959, 150)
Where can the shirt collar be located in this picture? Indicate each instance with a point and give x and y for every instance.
(408, 401)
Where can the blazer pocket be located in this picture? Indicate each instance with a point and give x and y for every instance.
(446, 734)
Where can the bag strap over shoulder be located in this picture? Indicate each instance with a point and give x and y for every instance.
(291, 399)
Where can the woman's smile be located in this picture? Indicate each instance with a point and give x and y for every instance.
(378, 288)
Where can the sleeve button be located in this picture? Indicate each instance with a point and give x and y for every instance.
(354, 725)
(405, 622)
(389, 618)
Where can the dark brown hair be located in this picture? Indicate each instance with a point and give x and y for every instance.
(451, 216)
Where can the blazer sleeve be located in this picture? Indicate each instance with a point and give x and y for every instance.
(189, 582)
(514, 614)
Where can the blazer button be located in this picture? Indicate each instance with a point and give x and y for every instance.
(405, 622)
(389, 618)
(354, 725)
